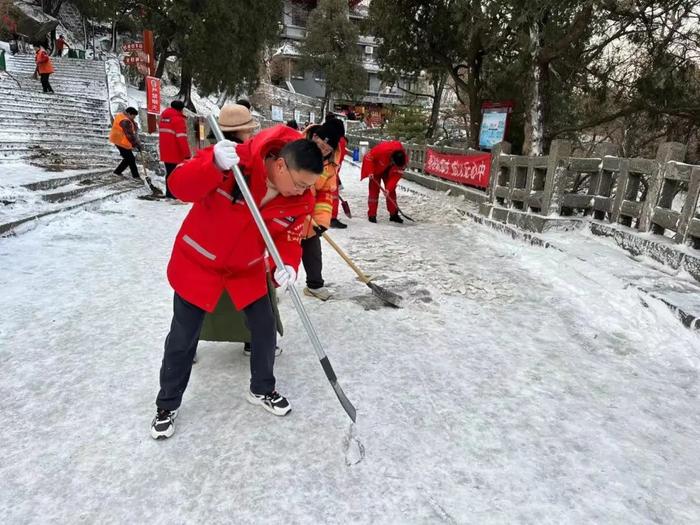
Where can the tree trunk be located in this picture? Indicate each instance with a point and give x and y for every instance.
(85, 37)
(94, 46)
(160, 68)
(534, 127)
(326, 99)
(222, 98)
(113, 40)
(438, 87)
(53, 41)
(185, 93)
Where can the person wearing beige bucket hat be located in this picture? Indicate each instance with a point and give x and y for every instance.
(237, 123)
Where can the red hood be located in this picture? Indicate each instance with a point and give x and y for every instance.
(253, 152)
(172, 113)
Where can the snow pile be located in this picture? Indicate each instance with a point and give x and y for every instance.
(116, 87)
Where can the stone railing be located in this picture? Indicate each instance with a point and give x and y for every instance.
(649, 195)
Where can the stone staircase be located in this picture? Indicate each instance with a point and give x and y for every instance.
(65, 130)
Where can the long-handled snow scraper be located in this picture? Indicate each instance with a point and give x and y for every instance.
(385, 295)
(156, 192)
(296, 298)
(386, 194)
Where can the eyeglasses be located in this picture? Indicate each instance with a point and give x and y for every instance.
(297, 184)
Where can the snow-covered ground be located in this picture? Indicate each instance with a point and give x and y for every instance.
(518, 385)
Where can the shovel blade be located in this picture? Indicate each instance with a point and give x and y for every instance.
(385, 295)
(346, 209)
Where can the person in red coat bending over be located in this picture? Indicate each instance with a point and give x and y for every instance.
(172, 139)
(220, 250)
(384, 162)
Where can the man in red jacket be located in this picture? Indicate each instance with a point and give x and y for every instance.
(172, 135)
(384, 162)
(219, 249)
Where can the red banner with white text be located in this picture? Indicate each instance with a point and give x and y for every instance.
(472, 170)
(153, 95)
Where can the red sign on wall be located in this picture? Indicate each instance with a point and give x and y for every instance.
(153, 95)
(132, 46)
(472, 170)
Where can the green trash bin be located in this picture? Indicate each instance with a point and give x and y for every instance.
(81, 53)
(2, 60)
(71, 54)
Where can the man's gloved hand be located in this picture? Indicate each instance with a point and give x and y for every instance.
(319, 229)
(285, 277)
(225, 156)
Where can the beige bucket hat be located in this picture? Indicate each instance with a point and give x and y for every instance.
(234, 117)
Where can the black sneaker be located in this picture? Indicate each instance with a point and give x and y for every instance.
(162, 426)
(273, 402)
(246, 350)
(373, 219)
(335, 223)
(396, 218)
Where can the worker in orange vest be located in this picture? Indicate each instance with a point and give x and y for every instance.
(44, 68)
(124, 136)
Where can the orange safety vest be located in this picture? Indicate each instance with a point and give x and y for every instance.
(117, 135)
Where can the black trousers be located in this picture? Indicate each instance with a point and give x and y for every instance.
(45, 83)
(313, 264)
(129, 160)
(181, 346)
(169, 167)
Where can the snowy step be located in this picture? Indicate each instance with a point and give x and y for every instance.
(56, 182)
(27, 64)
(36, 114)
(17, 108)
(43, 136)
(10, 93)
(99, 194)
(85, 156)
(40, 128)
(48, 141)
(78, 189)
(11, 112)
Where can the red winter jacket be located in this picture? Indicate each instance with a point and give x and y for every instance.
(377, 163)
(174, 147)
(219, 246)
(342, 150)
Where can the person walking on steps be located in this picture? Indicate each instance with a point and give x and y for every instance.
(124, 136)
(60, 45)
(219, 249)
(44, 68)
(334, 121)
(172, 140)
(384, 163)
(326, 138)
(226, 323)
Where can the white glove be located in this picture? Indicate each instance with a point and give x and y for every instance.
(225, 155)
(285, 277)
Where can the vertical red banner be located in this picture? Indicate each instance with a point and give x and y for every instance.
(153, 95)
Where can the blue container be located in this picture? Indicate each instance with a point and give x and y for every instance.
(356, 154)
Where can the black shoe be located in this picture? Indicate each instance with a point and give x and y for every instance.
(373, 219)
(273, 402)
(246, 350)
(162, 426)
(335, 223)
(396, 218)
